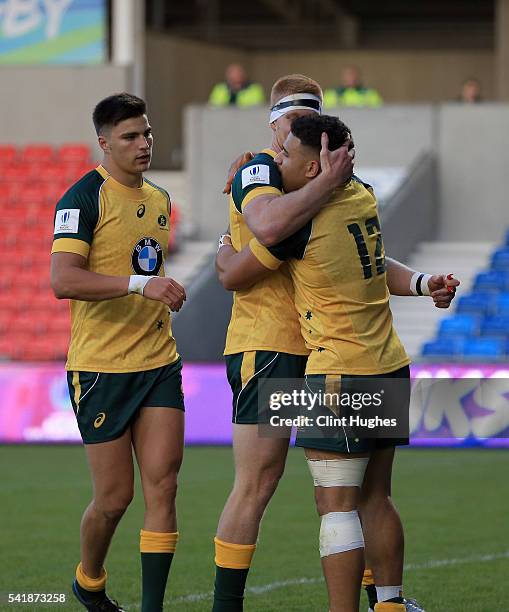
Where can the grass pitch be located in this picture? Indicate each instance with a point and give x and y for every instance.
(454, 504)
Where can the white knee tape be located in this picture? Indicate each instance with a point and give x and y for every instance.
(340, 532)
(338, 472)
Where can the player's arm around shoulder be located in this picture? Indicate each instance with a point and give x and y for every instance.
(274, 217)
(238, 271)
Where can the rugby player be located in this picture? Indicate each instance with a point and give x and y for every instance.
(263, 336)
(124, 372)
(342, 299)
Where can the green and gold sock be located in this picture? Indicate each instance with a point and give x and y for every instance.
(232, 566)
(90, 589)
(157, 550)
(368, 583)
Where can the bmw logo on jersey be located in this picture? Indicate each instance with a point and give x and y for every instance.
(147, 257)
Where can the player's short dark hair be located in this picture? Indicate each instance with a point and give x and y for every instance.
(308, 129)
(116, 108)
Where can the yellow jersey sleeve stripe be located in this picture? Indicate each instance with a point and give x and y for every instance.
(247, 369)
(259, 191)
(71, 245)
(103, 172)
(269, 152)
(77, 387)
(263, 255)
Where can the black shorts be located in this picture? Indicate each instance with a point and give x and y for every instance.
(106, 404)
(344, 440)
(246, 370)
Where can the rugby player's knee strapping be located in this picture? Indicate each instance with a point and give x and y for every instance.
(339, 531)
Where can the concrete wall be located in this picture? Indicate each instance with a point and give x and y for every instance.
(469, 144)
(55, 103)
(390, 136)
(400, 76)
(474, 165)
(181, 72)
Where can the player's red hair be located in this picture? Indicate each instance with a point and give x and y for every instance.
(293, 84)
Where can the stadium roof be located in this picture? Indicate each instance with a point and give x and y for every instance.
(286, 24)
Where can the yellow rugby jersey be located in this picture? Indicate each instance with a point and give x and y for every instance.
(337, 263)
(263, 317)
(121, 231)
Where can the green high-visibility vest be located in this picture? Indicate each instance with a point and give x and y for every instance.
(351, 96)
(251, 95)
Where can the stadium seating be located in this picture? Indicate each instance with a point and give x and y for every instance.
(478, 330)
(444, 347)
(34, 325)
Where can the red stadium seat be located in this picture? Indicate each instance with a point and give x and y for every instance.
(60, 324)
(47, 171)
(8, 192)
(35, 192)
(74, 152)
(43, 303)
(75, 171)
(37, 153)
(8, 347)
(11, 218)
(24, 282)
(15, 173)
(39, 349)
(8, 154)
(7, 303)
(5, 320)
(24, 321)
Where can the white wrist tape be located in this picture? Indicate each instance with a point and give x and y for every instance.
(137, 283)
(222, 241)
(419, 284)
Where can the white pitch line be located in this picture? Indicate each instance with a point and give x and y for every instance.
(458, 561)
(272, 586)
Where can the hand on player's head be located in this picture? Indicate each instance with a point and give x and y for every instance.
(338, 164)
(442, 289)
(165, 290)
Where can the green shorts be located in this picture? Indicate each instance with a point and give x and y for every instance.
(246, 370)
(343, 440)
(106, 404)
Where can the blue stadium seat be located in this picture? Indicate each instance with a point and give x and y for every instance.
(500, 259)
(493, 280)
(502, 304)
(498, 324)
(476, 303)
(484, 349)
(507, 238)
(444, 347)
(464, 324)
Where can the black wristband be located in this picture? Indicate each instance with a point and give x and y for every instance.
(418, 284)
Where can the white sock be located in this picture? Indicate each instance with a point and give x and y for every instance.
(385, 593)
